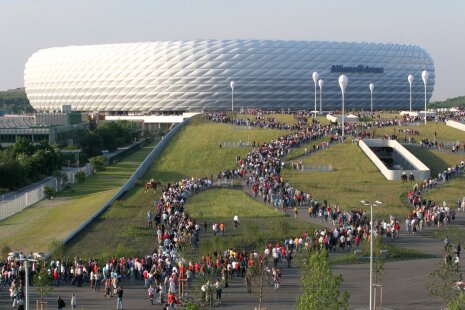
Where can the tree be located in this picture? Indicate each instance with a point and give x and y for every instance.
(42, 281)
(260, 277)
(457, 303)
(320, 286)
(442, 280)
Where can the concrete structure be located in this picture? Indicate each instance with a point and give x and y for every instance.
(151, 119)
(401, 155)
(338, 118)
(456, 125)
(418, 113)
(53, 134)
(196, 75)
(56, 128)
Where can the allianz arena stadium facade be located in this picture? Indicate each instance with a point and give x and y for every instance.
(196, 75)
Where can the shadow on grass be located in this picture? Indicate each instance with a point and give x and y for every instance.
(435, 163)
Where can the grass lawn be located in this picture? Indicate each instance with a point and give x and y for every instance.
(279, 118)
(437, 161)
(194, 151)
(36, 227)
(300, 151)
(354, 178)
(123, 231)
(259, 223)
(454, 234)
(444, 132)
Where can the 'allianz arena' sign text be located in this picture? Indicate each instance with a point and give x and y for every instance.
(357, 69)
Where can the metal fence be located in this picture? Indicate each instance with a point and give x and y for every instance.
(228, 144)
(225, 182)
(71, 174)
(315, 167)
(130, 183)
(19, 202)
(16, 203)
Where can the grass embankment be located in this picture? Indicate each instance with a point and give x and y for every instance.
(194, 151)
(439, 161)
(282, 118)
(356, 178)
(259, 223)
(279, 118)
(36, 227)
(444, 133)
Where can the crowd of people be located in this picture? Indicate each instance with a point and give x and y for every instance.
(165, 272)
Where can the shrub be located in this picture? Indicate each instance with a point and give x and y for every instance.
(49, 192)
(80, 176)
(98, 162)
(5, 249)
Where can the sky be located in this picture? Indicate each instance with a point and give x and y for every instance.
(437, 26)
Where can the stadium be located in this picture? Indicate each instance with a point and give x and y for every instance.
(192, 76)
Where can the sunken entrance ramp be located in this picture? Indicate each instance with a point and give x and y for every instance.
(392, 159)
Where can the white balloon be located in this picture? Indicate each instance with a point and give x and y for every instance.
(232, 84)
(321, 83)
(372, 86)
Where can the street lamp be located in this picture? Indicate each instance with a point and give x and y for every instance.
(321, 83)
(232, 84)
(410, 81)
(343, 80)
(372, 87)
(366, 204)
(26, 279)
(425, 77)
(315, 77)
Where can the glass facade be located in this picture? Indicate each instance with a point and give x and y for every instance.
(195, 75)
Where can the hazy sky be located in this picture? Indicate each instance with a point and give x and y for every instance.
(436, 25)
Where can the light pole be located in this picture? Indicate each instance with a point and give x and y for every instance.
(321, 83)
(343, 80)
(315, 77)
(366, 204)
(26, 279)
(372, 87)
(410, 81)
(232, 84)
(425, 77)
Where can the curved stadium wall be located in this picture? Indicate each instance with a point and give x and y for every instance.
(195, 75)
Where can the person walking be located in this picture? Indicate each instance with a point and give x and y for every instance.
(73, 302)
(60, 303)
(219, 290)
(236, 221)
(151, 292)
(119, 300)
(248, 280)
